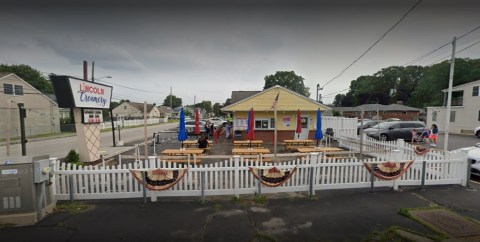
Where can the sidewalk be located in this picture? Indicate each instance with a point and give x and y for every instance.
(332, 215)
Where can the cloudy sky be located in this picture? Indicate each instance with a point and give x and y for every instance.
(207, 49)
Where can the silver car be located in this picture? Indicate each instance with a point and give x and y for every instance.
(395, 130)
(474, 157)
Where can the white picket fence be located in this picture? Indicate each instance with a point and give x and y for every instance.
(131, 122)
(383, 149)
(232, 177)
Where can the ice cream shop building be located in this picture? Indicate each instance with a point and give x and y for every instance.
(288, 104)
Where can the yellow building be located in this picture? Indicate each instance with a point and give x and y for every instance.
(289, 102)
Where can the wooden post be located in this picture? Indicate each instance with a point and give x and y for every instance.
(145, 128)
(9, 124)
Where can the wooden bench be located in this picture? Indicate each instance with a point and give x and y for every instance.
(293, 147)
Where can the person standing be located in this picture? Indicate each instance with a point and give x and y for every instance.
(434, 135)
(207, 129)
(228, 129)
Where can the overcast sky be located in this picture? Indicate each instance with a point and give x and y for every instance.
(208, 49)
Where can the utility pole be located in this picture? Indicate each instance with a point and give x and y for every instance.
(9, 124)
(23, 115)
(93, 70)
(171, 102)
(449, 100)
(145, 128)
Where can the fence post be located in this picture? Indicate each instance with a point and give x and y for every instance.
(236, 175)
(424, 167)
(260, 174)
(151, 161)
(372, 177)
(464, 152)
(144, 190)
(70, 187)
(313, 163)
(202, 185)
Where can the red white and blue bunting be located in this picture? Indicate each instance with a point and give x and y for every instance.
(159, 179)
(272, 177)
(389, 170)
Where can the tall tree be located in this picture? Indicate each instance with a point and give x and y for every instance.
(205, 105)
(289, 80)
(176, 101)
(216, 109)
(30, 75)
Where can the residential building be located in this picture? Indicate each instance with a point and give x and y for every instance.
(42, 113)
(465, 109)
(134, 110)
(381, 112)
(289, 103)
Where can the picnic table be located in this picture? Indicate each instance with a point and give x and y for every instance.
(194, 143)
(318, 149)
(253, 151)
(246, 143)
(174, 155)
(290, 144)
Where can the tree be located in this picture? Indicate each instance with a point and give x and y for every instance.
(289, 80)
(176, 101)
(30, 75)
(216, 109)
(205, 105)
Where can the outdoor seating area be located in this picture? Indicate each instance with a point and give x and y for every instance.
(292, 145)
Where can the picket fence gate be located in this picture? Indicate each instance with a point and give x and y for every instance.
(231, 176)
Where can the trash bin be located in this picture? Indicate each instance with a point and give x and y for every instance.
(238, 134)
(330, 133)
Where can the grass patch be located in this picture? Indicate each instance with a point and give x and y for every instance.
(6, 225)
(74, 207)
(264, 237)
(406, 212)
(260, 199)
(237, 199)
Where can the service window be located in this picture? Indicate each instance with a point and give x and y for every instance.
(261, 124)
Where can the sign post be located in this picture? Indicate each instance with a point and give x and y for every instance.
(87, 99)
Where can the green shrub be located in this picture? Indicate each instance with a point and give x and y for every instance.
(72, 157)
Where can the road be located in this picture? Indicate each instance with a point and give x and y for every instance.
(59, 147)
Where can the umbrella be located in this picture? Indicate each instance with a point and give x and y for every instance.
(197, 122)
(318, 132)
(299, 123)
(250, 127)
(182, 131)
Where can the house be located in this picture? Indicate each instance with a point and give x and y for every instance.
(379, 111)
(165, 112)
(465, 109)
(289, 102)
(42, 113)
(134, 110)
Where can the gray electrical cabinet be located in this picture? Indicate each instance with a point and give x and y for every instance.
(24, 191)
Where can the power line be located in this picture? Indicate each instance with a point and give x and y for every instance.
(433, 51)
(375, 43)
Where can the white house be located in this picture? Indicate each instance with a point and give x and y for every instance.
(43, 115)
(133, 110)
(465, 110)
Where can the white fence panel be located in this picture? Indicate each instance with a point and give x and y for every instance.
(232, 176)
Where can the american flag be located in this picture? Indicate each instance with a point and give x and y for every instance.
(274, 104)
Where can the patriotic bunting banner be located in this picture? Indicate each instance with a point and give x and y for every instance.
(420, 151)
(159, 179)
(272, 177)
(389, 170)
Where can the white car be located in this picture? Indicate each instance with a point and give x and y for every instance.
(474, 157)
(476, 131)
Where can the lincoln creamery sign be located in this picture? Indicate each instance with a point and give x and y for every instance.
(76, 93)
(90, 95)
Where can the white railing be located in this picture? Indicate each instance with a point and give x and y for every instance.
(131, 122)
(383, 149)
(232, 177)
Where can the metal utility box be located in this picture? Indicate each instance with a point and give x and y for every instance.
(21, 190)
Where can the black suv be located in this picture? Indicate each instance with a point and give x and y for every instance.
(396, 130)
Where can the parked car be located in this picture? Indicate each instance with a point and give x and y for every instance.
(476, 131)
(367, 124)
(474, 157)
(395, 130)
(190, 126)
